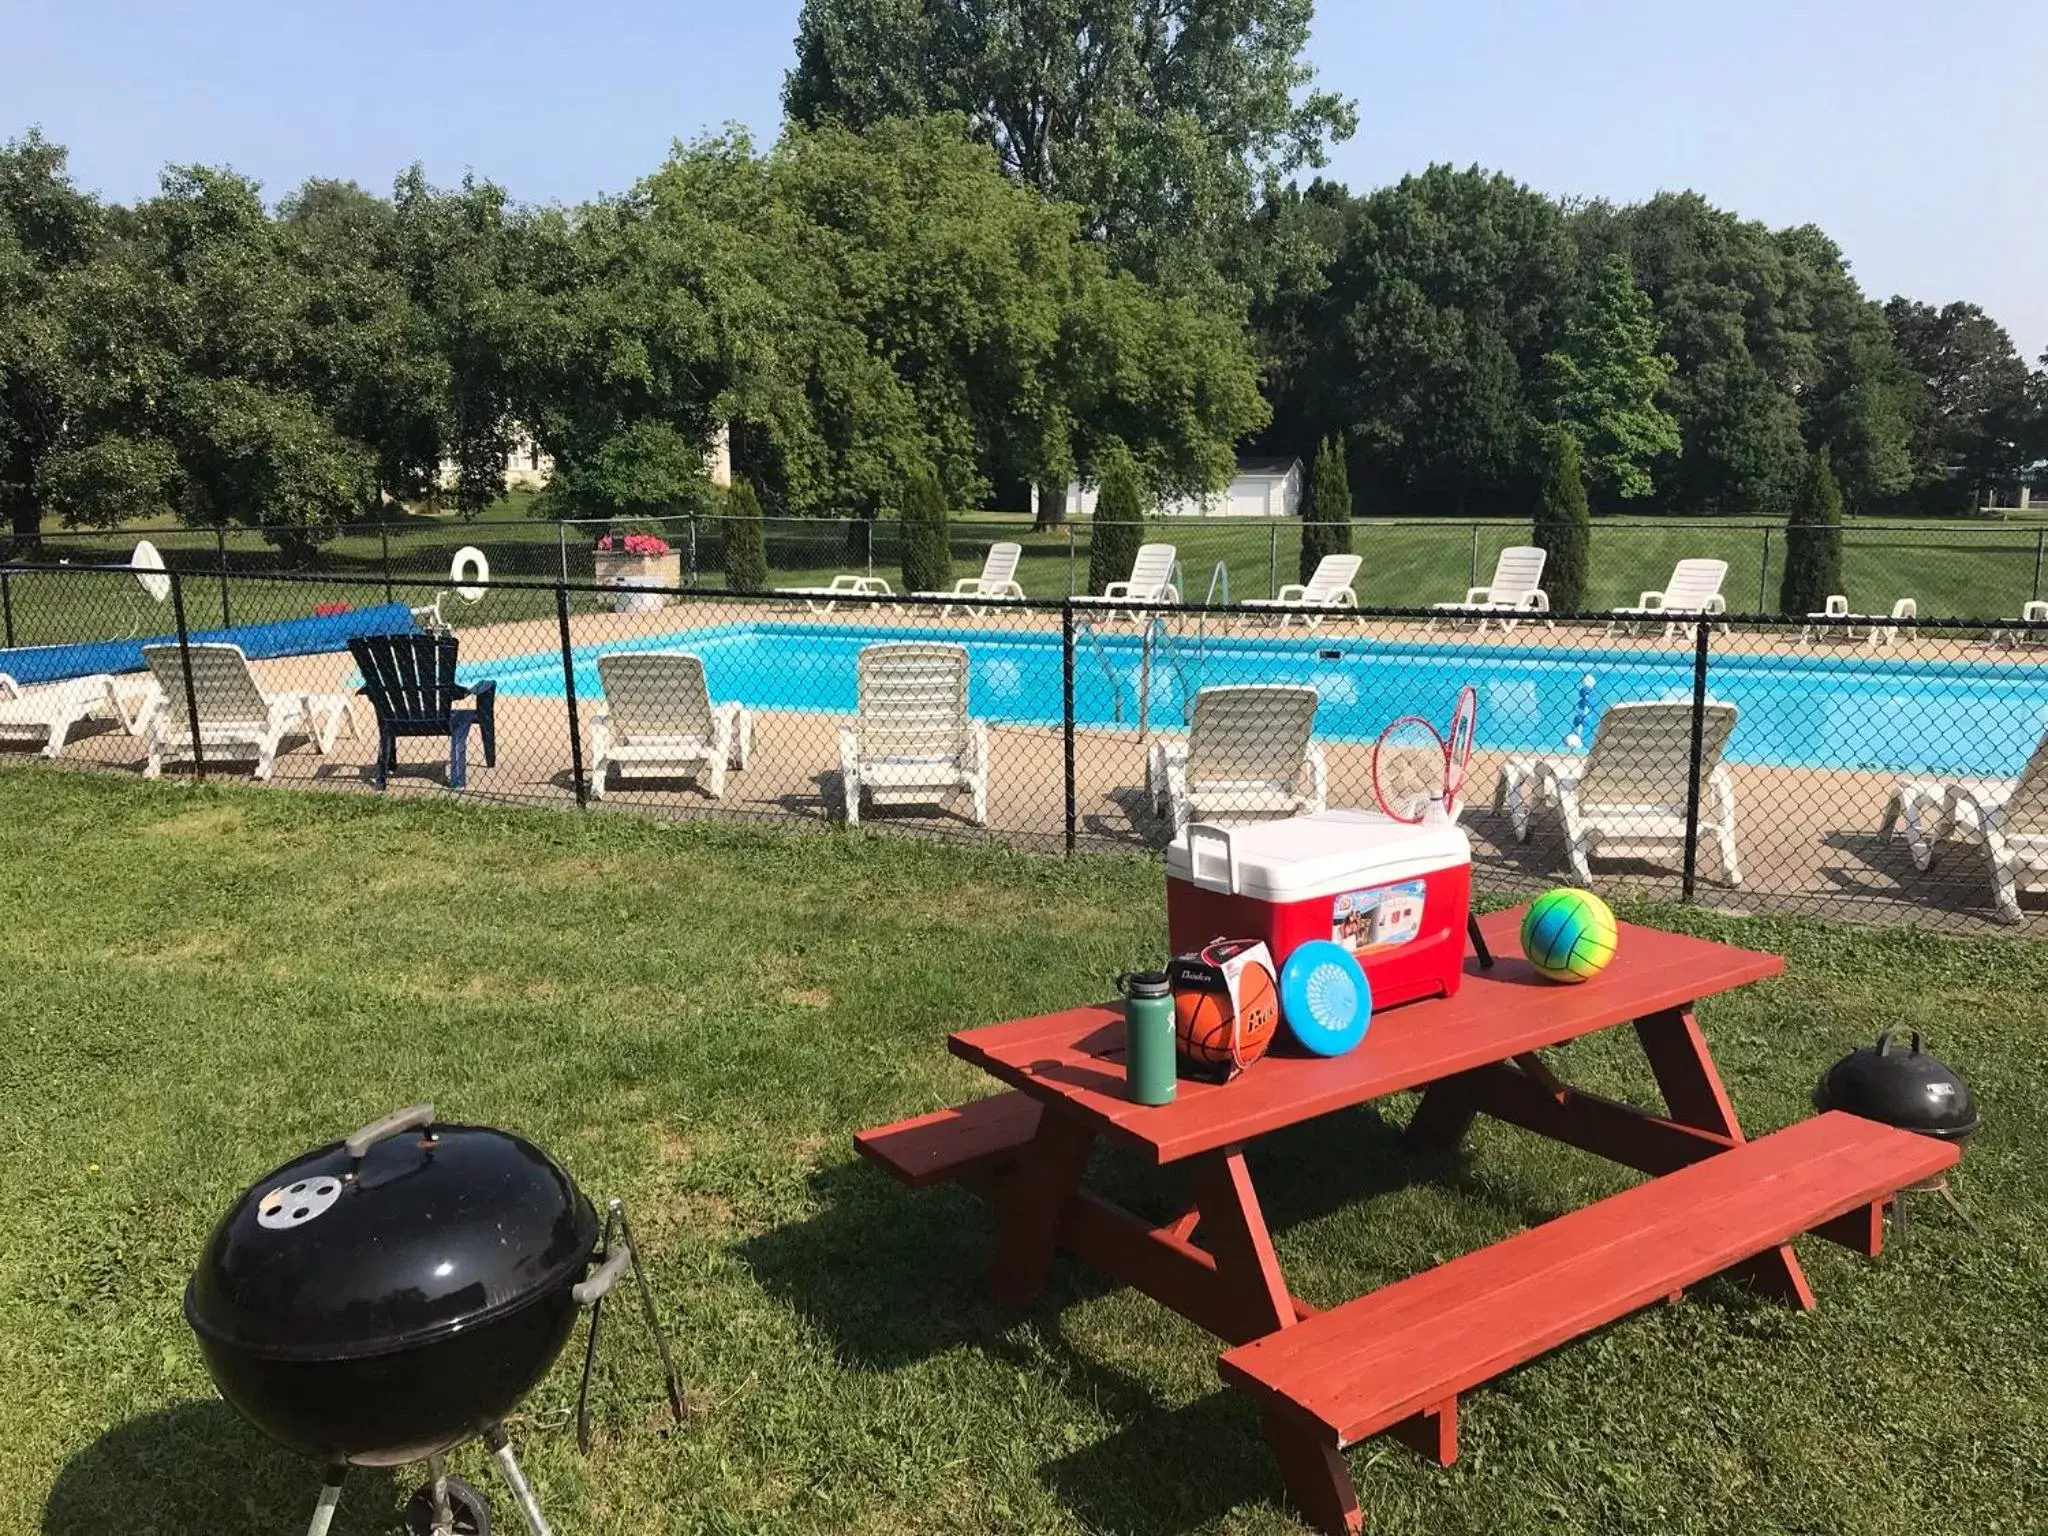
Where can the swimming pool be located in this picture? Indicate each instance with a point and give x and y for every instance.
(1893, 712)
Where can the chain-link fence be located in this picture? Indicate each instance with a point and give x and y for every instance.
(1957, 567)
(1879, 766)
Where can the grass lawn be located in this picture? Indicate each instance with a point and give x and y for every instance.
(198, 983)
(1968, 569)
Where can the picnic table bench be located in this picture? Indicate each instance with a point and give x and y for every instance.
(1397, 1359)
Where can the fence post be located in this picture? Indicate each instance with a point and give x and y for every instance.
(569, 696)
(1763, 577)
(691, 528)
(7, 607)
(220, 541)
(1273, 560)
(2038, 537)
(185, 665)
(562, 548)
(1692, 777)
(869, 527)
(384, 543)
(1472, 564)
(1073, 538)
(1067, 714)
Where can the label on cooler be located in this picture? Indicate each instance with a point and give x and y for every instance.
(1368, 921)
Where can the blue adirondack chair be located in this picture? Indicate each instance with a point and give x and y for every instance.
(410, 683)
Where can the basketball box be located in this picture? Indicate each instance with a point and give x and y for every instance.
(1395, 894)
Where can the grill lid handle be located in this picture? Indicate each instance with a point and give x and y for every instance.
(397, 1123)
(591, 1291)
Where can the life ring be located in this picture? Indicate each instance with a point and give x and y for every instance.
(470, 571)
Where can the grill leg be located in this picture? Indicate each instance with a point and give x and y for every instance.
(522, 1491)
(444, 1513)
(330, 1496)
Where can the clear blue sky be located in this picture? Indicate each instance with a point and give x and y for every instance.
(1912, 133)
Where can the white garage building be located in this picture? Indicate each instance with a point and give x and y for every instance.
(1260, 488)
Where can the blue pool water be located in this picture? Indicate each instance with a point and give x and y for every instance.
(1826, 710)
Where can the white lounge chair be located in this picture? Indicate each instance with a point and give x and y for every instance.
(237, 719)
(997, 582)
(912, 741)
(2034, 613)
(1875, 630)
(1150, 581)
(1515, 593)
(658, 722)
(2008, 818)
(822, 599)
(1328, 590)
(1626, 797)
(48, 714)
(1250, 754)
(1693, 592)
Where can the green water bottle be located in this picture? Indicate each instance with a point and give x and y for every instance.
(1149, 1064)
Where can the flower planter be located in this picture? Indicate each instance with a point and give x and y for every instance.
(628, 571)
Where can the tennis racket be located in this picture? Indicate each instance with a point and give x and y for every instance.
(1411, 764)
(1458, 749)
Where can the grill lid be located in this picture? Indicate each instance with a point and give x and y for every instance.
(1909, 1089)
(407, 1231)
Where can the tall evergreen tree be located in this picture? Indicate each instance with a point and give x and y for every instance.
(1119, 525)
(1326, 518)
(1813, 541)
(1562, 525)
(927, 559)
(746, 540)
(1601, 383)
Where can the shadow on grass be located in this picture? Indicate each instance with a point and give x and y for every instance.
(894, 1275)
(198, 1466)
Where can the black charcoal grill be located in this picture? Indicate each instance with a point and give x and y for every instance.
(390, 1296)
(1911, 1089)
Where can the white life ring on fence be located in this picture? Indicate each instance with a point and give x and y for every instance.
(148, 564)
(470, 571)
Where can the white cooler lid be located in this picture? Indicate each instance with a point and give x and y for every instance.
(1306, 856)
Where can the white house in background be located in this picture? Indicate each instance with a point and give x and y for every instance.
(1260, 488)
(527, 468)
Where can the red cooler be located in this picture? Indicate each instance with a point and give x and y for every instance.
(1396, 895)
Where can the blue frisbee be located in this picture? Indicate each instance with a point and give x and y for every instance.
(1325, 998)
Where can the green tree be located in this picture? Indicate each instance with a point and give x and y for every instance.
(1562, 525)
(746, 541)
(192, 341)
(1160, 119)
(1441, 297)
(1326, 517)
(1119, 524)
(1602, 382)
(878, 301)
(1970, 420)
(48, 229)
(927, 556)
(1813, 541)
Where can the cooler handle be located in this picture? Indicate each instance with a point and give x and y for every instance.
(1201, 832)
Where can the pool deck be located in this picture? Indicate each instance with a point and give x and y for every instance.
(1808, 837)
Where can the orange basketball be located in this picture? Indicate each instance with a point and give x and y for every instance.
(1202, 1021)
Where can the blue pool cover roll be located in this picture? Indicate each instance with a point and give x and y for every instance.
(259, 642)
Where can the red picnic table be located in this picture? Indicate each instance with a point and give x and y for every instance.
(1396, 1359)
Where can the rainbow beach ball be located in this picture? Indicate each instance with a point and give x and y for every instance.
(1568, 935)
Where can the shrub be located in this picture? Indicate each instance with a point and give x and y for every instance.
(1119, 526)
(746, 540)
(1813, 541)
(1326, 516)
(1562, 524)
(927, 557)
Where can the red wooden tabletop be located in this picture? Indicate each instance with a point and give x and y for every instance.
(1074, 1060)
